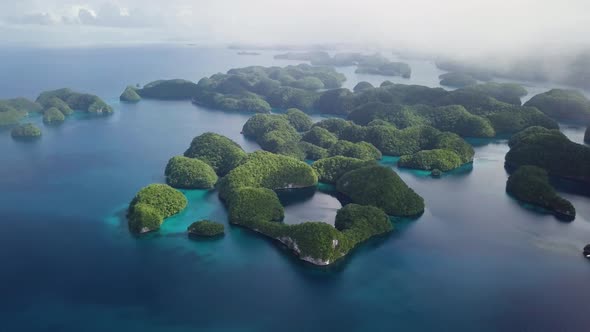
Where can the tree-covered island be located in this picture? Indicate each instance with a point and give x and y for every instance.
(248, 189)
(530, 184)
(25, 131)
(206, 228)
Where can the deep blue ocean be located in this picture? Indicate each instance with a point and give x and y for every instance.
(475, 261)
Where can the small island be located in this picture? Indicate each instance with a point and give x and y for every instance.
(189, 173)
(66, 101)
(206, 228)
(440, 159)
(530, 184)
(14, 110)
(381, 187)
(151, 205)
(552, 151)
(130, 95)
(219, 152)
(25, 131)
(331, 169)
(563, 105)
(375, 64)
(457, 80)
(53, 116)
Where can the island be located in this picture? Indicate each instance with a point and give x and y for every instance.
(439, 159)
(375, 64)
(219, 152)
(15, 109)
(74, 101)
(174, 89)
(331, 169)
(381, 187)
(151, 205)
(472, 111)
(25, 131)
(251, 89)
(249, 189)
(530, 184)
(477, 110)
(457, 80)
(564, 105)
(130, 95)
(586, 251)
(552, 151)
(206, 228)
(248, 53)
(189, 173)
(53, 116)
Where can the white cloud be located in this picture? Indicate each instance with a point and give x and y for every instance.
(454, 25)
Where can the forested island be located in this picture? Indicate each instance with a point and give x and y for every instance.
(55, 106)
(206, 228)
(552, 151)
(25, 131)
(375, 64)
(248, 183)
(530, 184)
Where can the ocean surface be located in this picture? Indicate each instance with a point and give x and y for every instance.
(477, 260)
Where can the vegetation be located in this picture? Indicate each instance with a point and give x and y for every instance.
(250, 205)
(61, 105)
(530, 184)
(358, 223)
(320, 137)
(176, 89)
(515, 120)
(443, 160)
(66, 100)
(219, 152)
(505, 92)
(27, 130)
(267, 170)
(380, 187)
(206, 228)
(313, 152)
(183, 172)
(153, 204)
(257, 89)
(457, 80)
(550, 150)
(53, 116)
(21, 104)
(362, 86)
(10, 116)
(130, 95)
(359, 150)
(563, 105)
(331, 169)
(299, 120)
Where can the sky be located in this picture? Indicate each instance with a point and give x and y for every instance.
(467, 26)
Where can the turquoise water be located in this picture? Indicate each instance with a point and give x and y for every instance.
(476, 259)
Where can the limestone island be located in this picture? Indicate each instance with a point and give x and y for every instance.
(25, 131)
(375, 64)
(206, 228)
(14, 110)
(530, 184)
(457, 80)
(130, 95)
(57, 105)
(153, 204)
(563, 105)
(189, 173)
(248, 190)
(552, 151)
